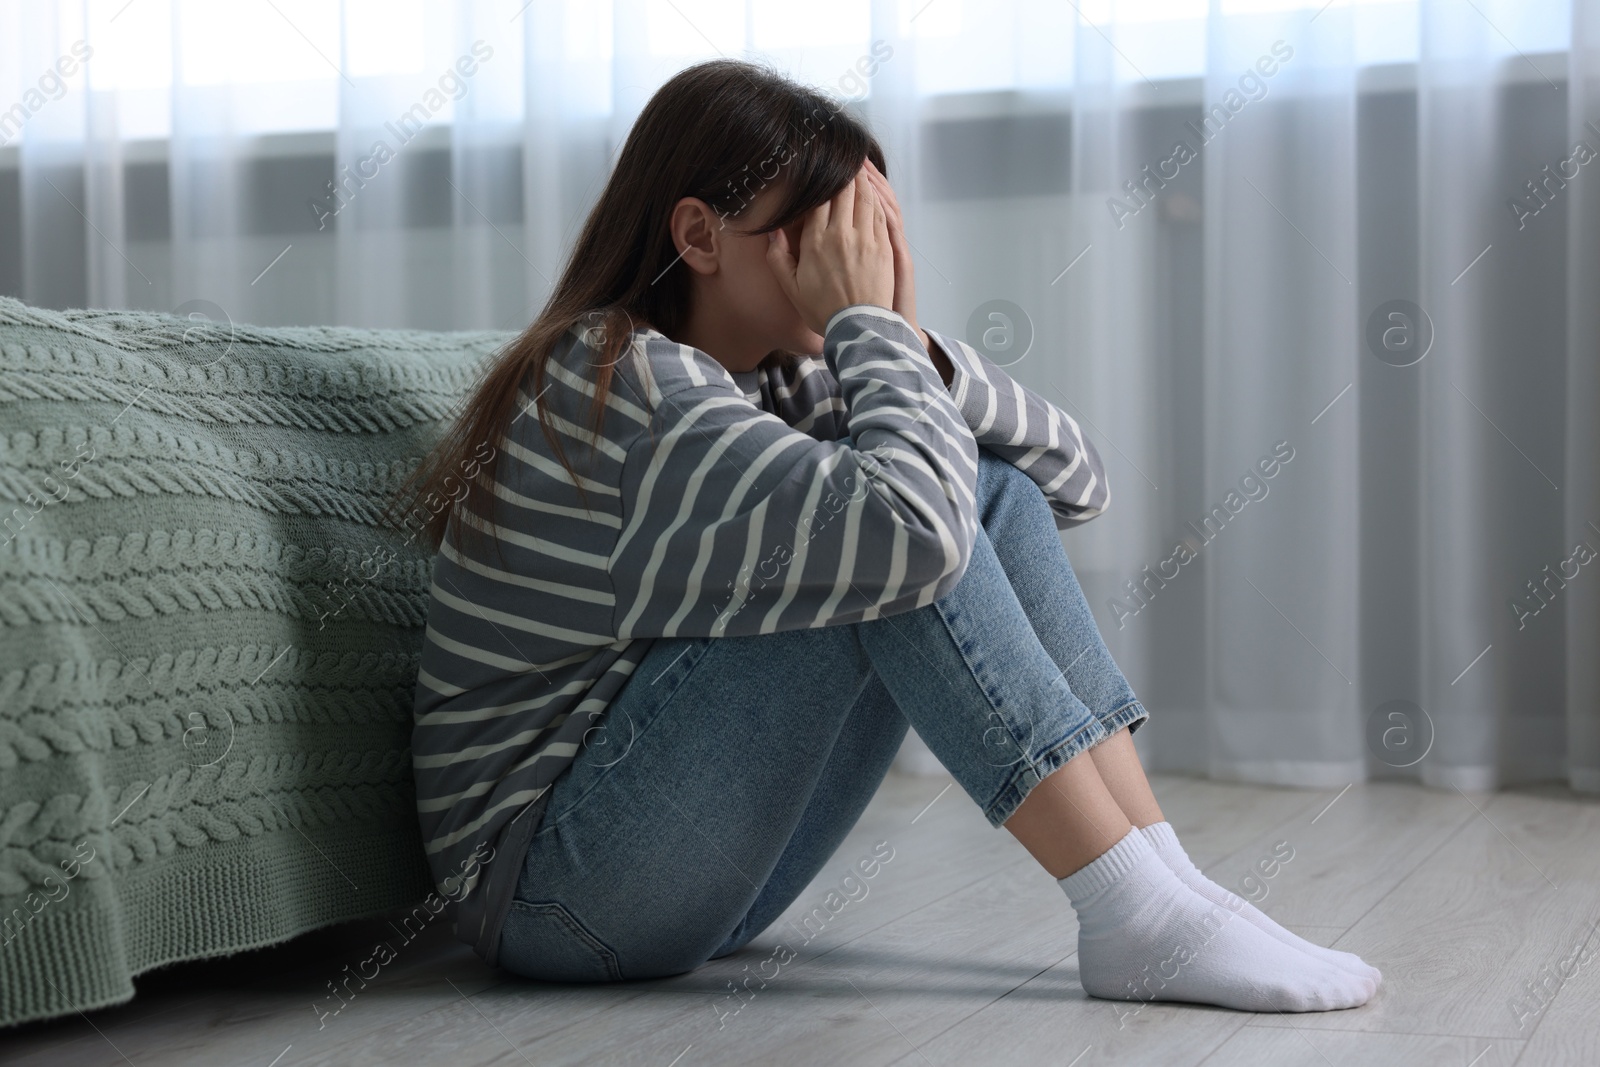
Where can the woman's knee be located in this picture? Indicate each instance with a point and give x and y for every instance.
(1002, 482)
(999, 475)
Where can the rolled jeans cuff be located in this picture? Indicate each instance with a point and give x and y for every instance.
(1028, 775)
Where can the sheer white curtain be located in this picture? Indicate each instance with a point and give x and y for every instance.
(1318, 278)
(1582, 455)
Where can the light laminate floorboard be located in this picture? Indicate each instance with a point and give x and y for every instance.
(1510, 891)
(963, 952)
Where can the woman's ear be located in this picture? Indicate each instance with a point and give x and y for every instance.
(697, 234)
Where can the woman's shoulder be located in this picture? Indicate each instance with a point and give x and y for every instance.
(560, 390)
(659, 367)
(654, 383)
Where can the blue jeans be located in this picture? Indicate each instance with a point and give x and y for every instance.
(731, 769)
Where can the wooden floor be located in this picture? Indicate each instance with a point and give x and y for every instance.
(962, 952)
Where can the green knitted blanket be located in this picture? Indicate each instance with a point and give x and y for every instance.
(208, 641)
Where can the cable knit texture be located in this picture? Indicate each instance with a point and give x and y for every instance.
(208, 640)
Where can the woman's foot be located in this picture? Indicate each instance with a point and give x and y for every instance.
(1145, 935)
(1165, 842)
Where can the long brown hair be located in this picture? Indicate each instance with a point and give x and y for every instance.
(719, 131)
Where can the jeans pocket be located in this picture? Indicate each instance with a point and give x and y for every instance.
(545, 941)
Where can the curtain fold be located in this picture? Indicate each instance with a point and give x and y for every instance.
(1582, 408)
(1319, 281)
(1281, 342)
(1492, 423)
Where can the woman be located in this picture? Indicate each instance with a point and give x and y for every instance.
(682, 617)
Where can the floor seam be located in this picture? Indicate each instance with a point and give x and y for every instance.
(985, 1007)
(1218, 1047)
(1388, 1033)
(1415, 867)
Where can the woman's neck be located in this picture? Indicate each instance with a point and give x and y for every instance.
(722, 339)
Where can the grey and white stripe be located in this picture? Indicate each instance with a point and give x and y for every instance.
(717, 504)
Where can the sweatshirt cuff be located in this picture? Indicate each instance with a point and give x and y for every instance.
(965, 373)
(875, 311)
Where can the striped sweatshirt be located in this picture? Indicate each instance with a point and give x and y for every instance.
(715, 504)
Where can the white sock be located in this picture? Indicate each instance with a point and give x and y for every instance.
(1165, 842)
(1144, 935)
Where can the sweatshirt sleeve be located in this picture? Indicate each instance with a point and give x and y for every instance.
(736, 523)
(1029, 432)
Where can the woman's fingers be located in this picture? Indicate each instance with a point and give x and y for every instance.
(882, 241)
(875, 219)
(781, 258)
(905, 298)
(879, 182)
(822, 214)
(849, 260)
(891, 205)
(842, 217)
(883, 187)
